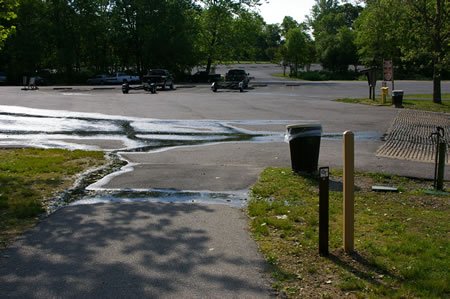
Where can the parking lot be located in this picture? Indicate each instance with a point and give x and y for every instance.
(189, 146)
(265, 108)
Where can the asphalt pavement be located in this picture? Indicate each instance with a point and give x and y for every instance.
(148, 249)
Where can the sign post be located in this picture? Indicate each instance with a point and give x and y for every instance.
(388, 71)
(349, 197)
(323, 210)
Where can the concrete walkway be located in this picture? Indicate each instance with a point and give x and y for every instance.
(136, 250)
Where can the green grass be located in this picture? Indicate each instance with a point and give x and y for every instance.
(426, 96)
(29, 176)
(426, 105)
(402, 245)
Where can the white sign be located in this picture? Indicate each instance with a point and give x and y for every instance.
(387, 70)
(323, 172)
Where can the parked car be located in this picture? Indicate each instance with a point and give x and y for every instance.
(204, 76)
(238, 75)
(159, 77)
(121, 77)
(97, 80)
(3, 78)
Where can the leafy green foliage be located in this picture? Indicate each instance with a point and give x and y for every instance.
(7, 13)
(332, 26)
(414, 34)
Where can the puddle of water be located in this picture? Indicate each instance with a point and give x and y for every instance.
(234, 199)
(365, 135)
(55, 129)
(45, 128)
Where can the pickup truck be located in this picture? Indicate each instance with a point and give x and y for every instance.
(158, 77)
(121, 77)
(238, 75)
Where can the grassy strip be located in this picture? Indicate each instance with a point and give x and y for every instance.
(426, 96)
(426, 105)
(30, 176)
(402, 244)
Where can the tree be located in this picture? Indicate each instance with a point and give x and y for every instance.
(417, 32)
(272, 40)
(246, 32)
(332, 26)
(7, 13)
(427, 33)
(154, 34)
(26, 51)
(216, 25)
(296, 49)
(288, 24)
(377, 29)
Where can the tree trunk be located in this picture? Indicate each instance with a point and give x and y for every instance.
(437, 55)
(436, 85)
(208, 65)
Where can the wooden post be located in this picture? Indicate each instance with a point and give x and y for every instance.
(348, 206)
(441, 165)
(323, 210)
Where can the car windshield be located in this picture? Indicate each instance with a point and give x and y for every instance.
(157, 72)
(236, 72)
(2, 74)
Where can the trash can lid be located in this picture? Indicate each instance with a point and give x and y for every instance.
(303, 125)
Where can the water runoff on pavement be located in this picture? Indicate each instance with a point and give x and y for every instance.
(28, 127)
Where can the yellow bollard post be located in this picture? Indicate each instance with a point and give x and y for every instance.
(384, 93)
(349, 144)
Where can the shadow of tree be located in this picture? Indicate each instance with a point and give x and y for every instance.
(138, 249)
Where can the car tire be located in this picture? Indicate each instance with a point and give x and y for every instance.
(171, 86)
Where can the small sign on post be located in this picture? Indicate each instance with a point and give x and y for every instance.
(388, 71)
(323, 210)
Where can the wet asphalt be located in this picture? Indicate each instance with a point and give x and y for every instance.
(185, 143)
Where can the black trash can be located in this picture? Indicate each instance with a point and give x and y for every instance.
(304, 144)
(397, 98)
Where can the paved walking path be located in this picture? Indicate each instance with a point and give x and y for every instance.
(136, 250)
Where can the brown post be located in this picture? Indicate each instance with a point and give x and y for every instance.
(348, 206)
(323, 209)
(441, 165)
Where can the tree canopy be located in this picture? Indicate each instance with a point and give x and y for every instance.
(73, 39)
(7, 13)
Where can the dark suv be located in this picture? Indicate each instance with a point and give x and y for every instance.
(238, 75)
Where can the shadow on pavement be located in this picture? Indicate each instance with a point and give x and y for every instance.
(133, 250)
